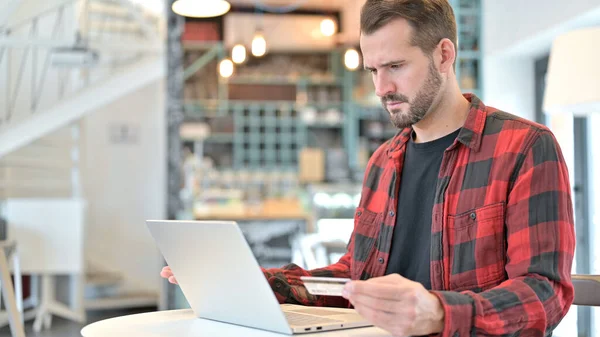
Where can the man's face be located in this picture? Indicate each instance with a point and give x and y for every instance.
(405, 79)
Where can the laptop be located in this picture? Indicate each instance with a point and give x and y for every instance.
(222, 281)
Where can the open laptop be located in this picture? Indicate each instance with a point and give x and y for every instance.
(222, 281)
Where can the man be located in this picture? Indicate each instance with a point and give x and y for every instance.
(465, 225)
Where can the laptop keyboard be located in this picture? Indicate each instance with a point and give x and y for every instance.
(295, 318)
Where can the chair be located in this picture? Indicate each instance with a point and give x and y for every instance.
(587, 290)
(14, 304)
(315, 251)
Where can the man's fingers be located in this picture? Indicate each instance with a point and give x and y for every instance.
(172, 279)
(166, 272)
(378, 290)
(373, 303)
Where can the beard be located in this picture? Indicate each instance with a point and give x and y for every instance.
(420, 106)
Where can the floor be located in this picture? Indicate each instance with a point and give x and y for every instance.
(64, 328)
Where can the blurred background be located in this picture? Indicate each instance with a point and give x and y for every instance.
(117, 111)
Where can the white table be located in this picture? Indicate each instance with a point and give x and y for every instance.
(183, 323)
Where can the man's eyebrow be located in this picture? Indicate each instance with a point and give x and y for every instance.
(386, 64)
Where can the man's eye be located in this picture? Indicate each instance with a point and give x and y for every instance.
(373, 71)
(395, 66)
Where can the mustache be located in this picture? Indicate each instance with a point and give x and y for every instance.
(394, 97)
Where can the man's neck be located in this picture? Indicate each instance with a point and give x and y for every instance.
(448, 114)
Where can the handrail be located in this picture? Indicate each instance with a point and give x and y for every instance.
(39, 14)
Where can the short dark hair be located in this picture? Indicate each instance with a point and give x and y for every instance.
(431, 20)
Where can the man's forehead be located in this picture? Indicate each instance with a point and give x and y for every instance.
(381, 56)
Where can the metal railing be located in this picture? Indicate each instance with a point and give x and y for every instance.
(57, 51)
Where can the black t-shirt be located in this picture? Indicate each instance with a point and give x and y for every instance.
(411, 244)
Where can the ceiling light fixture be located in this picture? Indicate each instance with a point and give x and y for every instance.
(201, 8)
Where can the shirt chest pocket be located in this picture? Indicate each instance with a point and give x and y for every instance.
(476, 248)
(366, 228)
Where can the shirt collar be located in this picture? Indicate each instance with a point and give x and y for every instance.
(470, 135)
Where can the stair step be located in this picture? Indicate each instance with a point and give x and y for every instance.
(34, 173)
(114, 9)
(110, 11)
(38, 192)
(117, 26)
(39, 152)
(103, 278)
(106, 2)
(14, 160)
(123, 300)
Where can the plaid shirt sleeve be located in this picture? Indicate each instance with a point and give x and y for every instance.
(288, 287)
(540, 248)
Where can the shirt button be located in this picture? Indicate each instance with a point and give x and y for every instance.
(380, 260)
(391, 213)
(359, 213)
(473, 216)
(277, 285)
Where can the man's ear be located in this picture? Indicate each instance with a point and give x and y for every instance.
(446, 54)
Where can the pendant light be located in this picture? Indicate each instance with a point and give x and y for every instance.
(226, 68)
(351, 59)
(201, 8)
(328, 27)
(238, 53)
(259, 44)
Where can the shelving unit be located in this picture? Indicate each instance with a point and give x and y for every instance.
(270, 113)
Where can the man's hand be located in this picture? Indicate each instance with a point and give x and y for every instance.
(398, 305)
(168, 274)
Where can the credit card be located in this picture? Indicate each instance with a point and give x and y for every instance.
(328, 286)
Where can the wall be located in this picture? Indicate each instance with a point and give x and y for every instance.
(517, 24)
(124, 182)
(351, 21)
(516, 33)
(509, 84)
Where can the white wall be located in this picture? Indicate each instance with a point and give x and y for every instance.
(509, 84)
(125, 184)
(518, 24)
(515, 34)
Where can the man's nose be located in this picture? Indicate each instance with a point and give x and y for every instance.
(383, 86)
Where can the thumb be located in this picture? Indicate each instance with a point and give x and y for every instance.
(388, 279)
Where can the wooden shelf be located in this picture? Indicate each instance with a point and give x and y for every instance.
(276, 80)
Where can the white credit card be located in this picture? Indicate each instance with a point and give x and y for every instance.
(329, 286)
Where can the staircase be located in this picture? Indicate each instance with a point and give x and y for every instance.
(102, 291)
(61, 60)
(34, 62)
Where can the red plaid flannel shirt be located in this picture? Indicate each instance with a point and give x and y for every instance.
(502, 233)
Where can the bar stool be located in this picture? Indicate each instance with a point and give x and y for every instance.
(14, 304)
